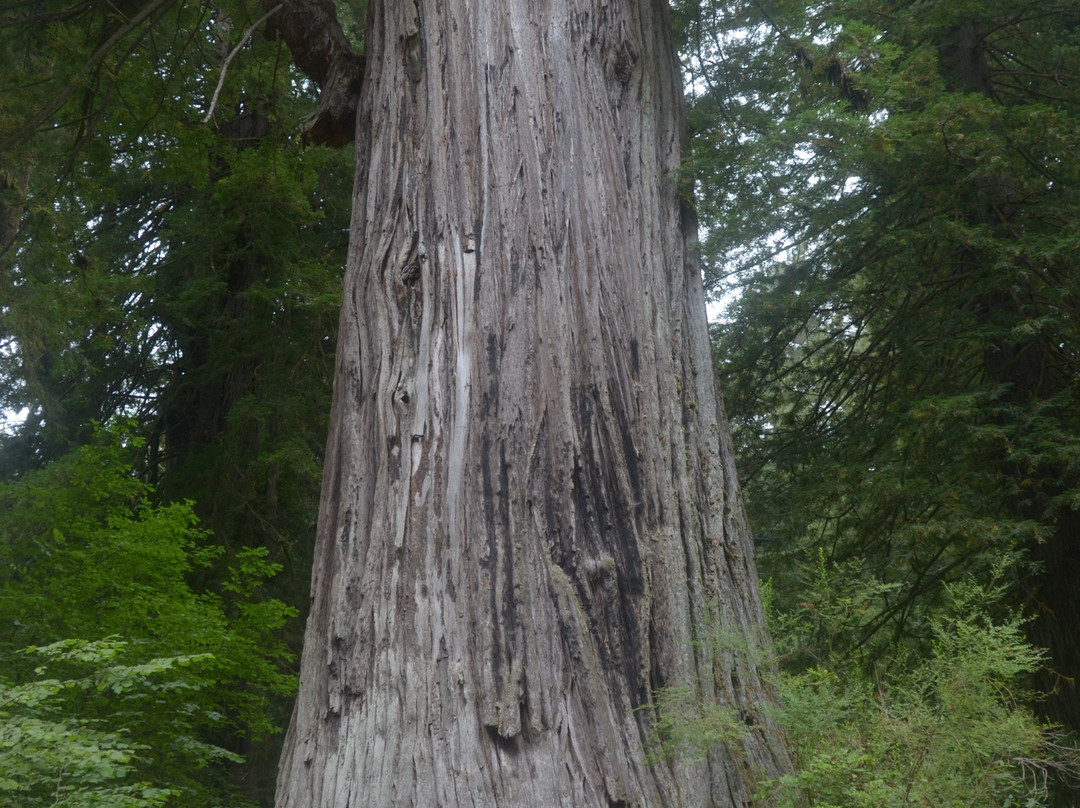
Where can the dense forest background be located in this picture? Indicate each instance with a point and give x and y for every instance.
(889, 197)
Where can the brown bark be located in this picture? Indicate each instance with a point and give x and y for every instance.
(320, 48)
(12, 195)
(530, 517)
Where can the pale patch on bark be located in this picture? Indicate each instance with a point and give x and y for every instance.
(530, 514)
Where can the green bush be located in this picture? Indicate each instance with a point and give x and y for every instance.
(942, 724)
(951, 727)
(162, 654)
(49, 756)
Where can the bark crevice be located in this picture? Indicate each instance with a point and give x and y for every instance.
(545, 519)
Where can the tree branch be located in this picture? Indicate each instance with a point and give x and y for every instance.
(232, 53)
(319, 47)
(95, 59)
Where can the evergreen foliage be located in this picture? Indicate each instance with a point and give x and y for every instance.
(951, 729)
(896, 187)
(169, 262)
(893, 188)
(171, 252)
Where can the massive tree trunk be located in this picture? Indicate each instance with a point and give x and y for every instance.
(530, 518)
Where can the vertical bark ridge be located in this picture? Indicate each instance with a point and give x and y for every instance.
(530, 519)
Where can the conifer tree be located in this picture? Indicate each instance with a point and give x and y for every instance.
(171, 252)
(902, 365)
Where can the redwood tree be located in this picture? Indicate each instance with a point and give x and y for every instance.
(530, 522)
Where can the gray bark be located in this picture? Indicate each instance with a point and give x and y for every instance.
(530, 517)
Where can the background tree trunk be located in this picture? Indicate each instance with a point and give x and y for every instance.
(530, 517)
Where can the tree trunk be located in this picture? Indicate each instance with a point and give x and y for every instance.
(530, 518)
(1024, 366)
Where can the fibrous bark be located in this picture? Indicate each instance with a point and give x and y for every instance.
(530, 518)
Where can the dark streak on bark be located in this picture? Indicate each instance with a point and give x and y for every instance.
(539, 521)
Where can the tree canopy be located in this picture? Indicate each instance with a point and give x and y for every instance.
(893, 188)
(170, 257)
